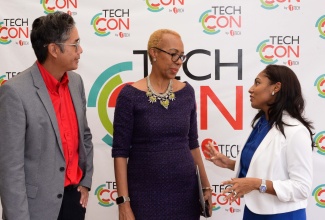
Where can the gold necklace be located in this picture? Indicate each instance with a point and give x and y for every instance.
(163, 98)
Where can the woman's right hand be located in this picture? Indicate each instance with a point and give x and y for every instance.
(125, 211)
(218, 158)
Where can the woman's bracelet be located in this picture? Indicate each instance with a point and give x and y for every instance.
(207, 188)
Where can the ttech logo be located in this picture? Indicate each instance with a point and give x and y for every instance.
(2, 79)
(230, 150)
(68, 6)
(231, 209)
(174, 6)
(320, 24)
(273, 4)
(320, 85)
(14, 30)
(317, 192)
(106, 194)
(103, 95)
(117, 20)
(319, 140)
(280, 48)
(222, 18)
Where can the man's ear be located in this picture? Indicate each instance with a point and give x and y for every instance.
(53, 50)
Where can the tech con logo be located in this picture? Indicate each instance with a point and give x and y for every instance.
(173, 6)
(292, 5)
(112, 20)
(320, 85)
(106, 194)
(103, 95)
(68, 6)
(284, 49)
(219, 19)
(320, 25)
(14, 30)
(317, 193)
(319, 140)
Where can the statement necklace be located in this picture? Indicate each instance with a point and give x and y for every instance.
(163, 98)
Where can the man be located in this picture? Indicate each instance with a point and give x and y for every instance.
(46, 153)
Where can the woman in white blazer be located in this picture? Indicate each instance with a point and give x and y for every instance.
(274, 169)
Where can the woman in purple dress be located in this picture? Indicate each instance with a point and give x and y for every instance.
(274, 169)
(155, 142)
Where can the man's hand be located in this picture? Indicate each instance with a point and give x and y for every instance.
(84, 195)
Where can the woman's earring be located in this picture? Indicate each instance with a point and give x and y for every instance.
(154, 59)
(272, 92)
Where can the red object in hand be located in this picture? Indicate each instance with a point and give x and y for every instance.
(204, 148)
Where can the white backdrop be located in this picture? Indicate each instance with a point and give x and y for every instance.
(228, 43)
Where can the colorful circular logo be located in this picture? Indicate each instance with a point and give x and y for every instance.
(319, 140)
(204, 19)
(99, 31)
(268, 4)
(47, 9)
(2, 80)
(320, 85)
(4, 39)
(103, 95)
(318, 191)
(320, 24)
(105, 196)
(261, 49)
(154, 7)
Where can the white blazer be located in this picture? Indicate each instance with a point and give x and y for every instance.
(287, 162)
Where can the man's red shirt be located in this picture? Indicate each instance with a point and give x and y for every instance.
(67, 122)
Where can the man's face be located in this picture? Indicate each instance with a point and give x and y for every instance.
(69, 58)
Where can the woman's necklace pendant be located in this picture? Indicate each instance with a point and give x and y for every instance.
(165, 103)
(163, 98)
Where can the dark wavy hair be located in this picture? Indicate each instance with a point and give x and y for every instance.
(52, 28)
(289, 99)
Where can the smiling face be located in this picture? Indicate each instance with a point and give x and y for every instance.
(164, 65)
(261, 92)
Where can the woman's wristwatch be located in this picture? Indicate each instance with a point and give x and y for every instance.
(263, 187)
(122, 199)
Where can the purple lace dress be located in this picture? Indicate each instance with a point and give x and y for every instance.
(161, 171)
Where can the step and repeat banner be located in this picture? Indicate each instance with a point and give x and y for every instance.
(228, 42)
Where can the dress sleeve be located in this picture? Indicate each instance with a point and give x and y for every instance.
(193, 132)
(123, 124)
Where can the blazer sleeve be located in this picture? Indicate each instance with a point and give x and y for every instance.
(87, 143)
(299, 167)
(12, 175)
